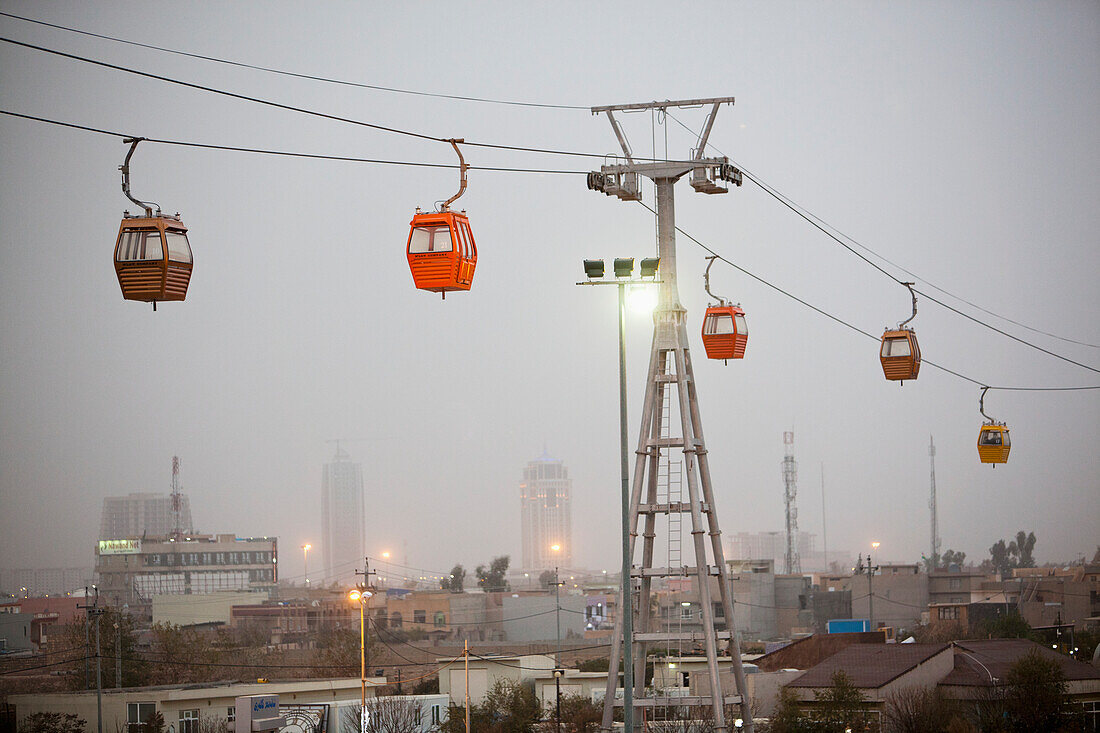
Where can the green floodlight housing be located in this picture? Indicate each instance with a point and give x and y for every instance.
(593, 268)
(649, 266)
(624, 266)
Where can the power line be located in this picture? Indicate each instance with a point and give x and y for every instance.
(297, 75)
(824, 227)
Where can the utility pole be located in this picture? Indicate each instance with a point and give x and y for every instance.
(824, 527)
(870, 569)
(365, 592)
(670, 373)
(118, 654)
(94, 611)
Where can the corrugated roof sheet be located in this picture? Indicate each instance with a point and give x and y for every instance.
(869, 665)
(977, 661)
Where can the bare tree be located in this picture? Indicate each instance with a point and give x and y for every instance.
(918, 709)
(389, 714)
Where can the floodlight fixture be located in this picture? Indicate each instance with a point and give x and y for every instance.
(624, 266)
(593, 269)
(649, 266)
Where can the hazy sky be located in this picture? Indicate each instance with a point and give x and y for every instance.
(958, 140)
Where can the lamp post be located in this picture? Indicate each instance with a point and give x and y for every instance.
(624, 269)
(557, 654)
(305, 561)
(361, 595)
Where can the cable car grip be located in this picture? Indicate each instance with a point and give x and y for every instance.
(462, 168)
(125, 168)
(914, 294)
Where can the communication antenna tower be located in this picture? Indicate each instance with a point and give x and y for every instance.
(670, 375)
(177, 499)
(791, 562)
(934, 557)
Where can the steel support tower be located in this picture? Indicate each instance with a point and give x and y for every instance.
(177, 500)
(792, 563)
(671, 422)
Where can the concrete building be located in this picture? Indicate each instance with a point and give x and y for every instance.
(485, 670)
(41, 582)
(45, 614)
(343, 518)
(184, 707)
(201, 608)
(133, 571)
(956, 585)
(901, 595)
(15, 632)
(768, 546)
(535, 617)
(546, 514)
(135, 515)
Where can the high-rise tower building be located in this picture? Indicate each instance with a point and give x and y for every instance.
(546, 514)
(135, 515)
(342, 518)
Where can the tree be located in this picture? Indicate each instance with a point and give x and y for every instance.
(580, 714)
(546, 578)
(509, 707)
(841, 706)
(919, 709)
(952, 557)
(1009, 626)
(456, 581)
(1019, 553)
(386, 715)
(492, 578)
(1025, 546)
(1000, 558)
(53, 723)
(1035, 694)
(787, 716)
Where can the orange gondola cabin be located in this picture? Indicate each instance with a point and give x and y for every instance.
(994, 443)
(441, 251)
(153, 259)
(900, 354)
(725, 332)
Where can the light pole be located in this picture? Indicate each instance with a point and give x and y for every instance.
(305, 561)
(870, 570)
(557, 654)
(361, 595)
(624, 269)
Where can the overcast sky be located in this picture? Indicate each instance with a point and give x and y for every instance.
(958, 140)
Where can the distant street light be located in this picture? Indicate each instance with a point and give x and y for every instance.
(305, 561)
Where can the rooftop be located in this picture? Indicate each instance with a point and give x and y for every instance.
(869, 665)
(979, 662)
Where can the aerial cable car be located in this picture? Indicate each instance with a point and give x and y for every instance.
(993, 441)
(152, 256)
(899, 352)
(725, 333)
(441, 250)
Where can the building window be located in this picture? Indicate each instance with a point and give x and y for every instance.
(685, 611)
(395, 620)
(420, 616)
(954, 584)
(440, 619)
(137, 713)
(949, 613)
(189, 721)
(231, 714)
(436, 715)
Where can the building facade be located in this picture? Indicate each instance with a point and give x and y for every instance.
(342, 518)
(769, 546)
(133, 571)
(546, 514)
(30, 582)
(135, 515)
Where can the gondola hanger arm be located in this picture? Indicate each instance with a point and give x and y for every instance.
(914, 294)
(706, 280)
(462, 168)
(981, 405)
(125, 168)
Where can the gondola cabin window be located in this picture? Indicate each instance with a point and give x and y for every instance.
(994, 437)
(719, 323)
(896, 347)
(178, 248)
(141, 245)
(431, 239)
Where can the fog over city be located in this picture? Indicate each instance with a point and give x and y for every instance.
(959, 142)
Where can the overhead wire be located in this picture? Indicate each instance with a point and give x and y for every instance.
(284, 153)
(825, 228)
(301, 110)
(297, 75)
(859, 330)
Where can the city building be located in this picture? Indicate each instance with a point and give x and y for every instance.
(342, 518)
(769, 546)
(546, 514)
(32, 582)
(133, 571)
(135, 515)
(45, 614)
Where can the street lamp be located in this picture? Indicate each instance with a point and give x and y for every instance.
(305, 561)
(594, 271)
(361, 594)
(558, 671)
(870, 569)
